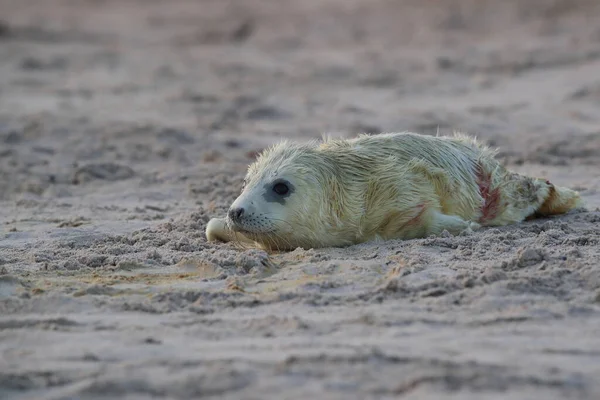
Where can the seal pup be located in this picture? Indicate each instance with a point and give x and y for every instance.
(339, 192)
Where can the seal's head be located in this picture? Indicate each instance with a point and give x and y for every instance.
(283, 197)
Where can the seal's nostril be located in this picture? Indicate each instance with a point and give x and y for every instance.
(236, 213)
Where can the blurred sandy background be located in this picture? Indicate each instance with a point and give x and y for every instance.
(126, 125)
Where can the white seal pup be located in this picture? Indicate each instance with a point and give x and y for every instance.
(340, 192)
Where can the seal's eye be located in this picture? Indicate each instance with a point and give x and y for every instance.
(281, 188)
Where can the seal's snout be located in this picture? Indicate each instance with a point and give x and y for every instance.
(236, 213)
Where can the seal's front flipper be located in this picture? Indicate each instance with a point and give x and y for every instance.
(452, 223)
(217, 230)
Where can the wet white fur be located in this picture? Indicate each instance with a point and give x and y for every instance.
(379, 187)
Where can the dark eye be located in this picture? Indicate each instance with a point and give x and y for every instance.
(281, 188)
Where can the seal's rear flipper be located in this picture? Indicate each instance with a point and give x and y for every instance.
(559, 201)
(509, 197)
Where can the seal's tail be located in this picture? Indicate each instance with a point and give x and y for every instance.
(559, 201)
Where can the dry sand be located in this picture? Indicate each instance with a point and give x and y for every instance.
(126, 125)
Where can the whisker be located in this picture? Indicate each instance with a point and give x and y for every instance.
(285, 240)
(279, 220)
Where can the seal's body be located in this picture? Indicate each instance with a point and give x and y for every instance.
(388, 186)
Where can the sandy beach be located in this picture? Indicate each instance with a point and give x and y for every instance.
(126, 125)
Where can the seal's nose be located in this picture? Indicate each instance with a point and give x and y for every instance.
(236, 214)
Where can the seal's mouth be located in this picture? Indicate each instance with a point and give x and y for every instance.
(252, 233)
(244, 231)
(238, 229)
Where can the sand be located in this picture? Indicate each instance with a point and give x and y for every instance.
(126, 125)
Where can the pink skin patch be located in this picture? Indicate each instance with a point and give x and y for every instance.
(491, 198)
(420, 209)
